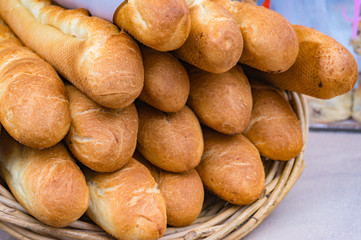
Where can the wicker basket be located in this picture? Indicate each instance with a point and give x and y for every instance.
(218, 219)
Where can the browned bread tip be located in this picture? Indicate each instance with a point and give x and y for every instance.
(160, 24)
(323, 68)
(274, 128)
(221, 101)
(127, 203)
(231, 167)
(183, 193)
(103, 139)
(90, 52)
(166, 82)
(215, 41)
(47, 182)
(33, 104)
(171, 141)
(270, 42)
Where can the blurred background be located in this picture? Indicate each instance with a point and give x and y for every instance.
(339, 19)
(325, 201)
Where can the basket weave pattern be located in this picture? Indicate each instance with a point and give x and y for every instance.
(218, 219)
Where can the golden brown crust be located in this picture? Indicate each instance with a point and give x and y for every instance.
(221, 101)
(215, 41)
(183, 193)
(90, 52)
(160, 24)
(46, 182)
(274, 128)
(270, 42)
(103, 139)
(231, 168)
(127, 203)
(171, 141)
(323, 69)
(34, 109)
(166, 83)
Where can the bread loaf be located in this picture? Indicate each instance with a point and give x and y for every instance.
(166, 83)
(171, 141)
(90, 52)
(231, 167)
(160, 24)
(127, 203)
(215, 41)
(103, 139)
(46, 182)
(274, 128)
(270, 42)
(323, 69)
(33, 105)
(183, 193)
(221, 101)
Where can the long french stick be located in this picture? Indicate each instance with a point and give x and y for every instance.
(46, 182)
(270, 42)
(160, 24)
(231, 167)
(274, 128)
(183, 193)
(33, 104)
(166, 82)
(323, 68)
(215, 41)
(127, 203)
(103, 139)
(171, 141)
(90, 52)
(221, 101)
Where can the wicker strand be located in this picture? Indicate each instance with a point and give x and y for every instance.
(27, 233)
(56, 232)
(13, 232)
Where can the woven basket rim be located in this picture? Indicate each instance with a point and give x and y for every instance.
(218, 219)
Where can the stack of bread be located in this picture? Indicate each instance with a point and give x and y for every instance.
(145, 132)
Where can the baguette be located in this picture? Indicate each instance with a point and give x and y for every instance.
(231, 168)
(323, 69)
(90, 52)
(270, 42)
(127, 203)
(166, 83)
(160, 24)
(46, 182)
(274, 128)
(215, 41)
(34, 109)
(183, 193)
(221, 101)
(171, 141)
(103, 139)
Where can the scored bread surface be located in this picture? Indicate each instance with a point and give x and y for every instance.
(103, 139)
(90, 52)
(47, 182)
(160, 24)
(34, 108)
(127, 203)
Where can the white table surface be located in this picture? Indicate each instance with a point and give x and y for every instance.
(325, 203)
